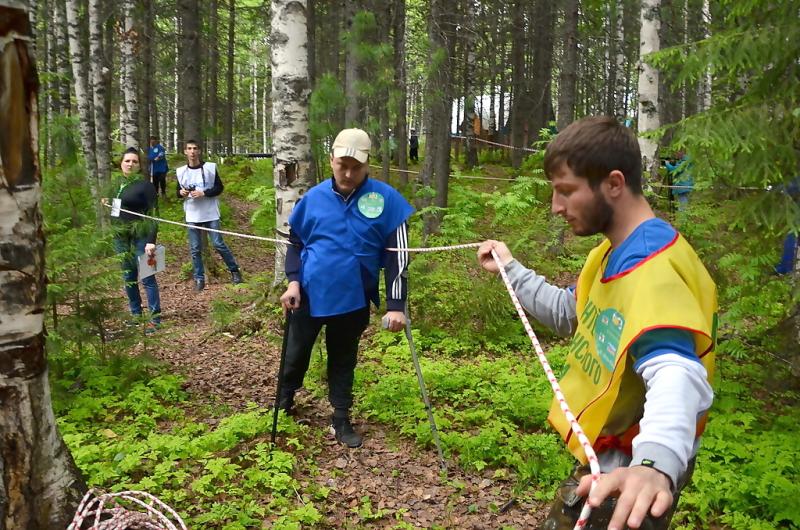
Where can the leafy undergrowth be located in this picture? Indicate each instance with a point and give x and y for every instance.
(129, 426)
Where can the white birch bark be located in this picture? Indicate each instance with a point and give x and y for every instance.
(83, 98)
(291, 142)
(264, 110)
(99, 72)
(704, 99)
(39, 483)
(176, 146)
(128, 40)
(649, 118)
(620, 88)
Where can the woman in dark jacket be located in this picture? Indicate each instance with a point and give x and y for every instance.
(134, 236)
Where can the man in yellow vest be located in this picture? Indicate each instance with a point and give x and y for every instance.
(642, 319)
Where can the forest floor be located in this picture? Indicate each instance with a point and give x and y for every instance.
(401, 480)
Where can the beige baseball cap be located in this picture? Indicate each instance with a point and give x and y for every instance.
(354, 143)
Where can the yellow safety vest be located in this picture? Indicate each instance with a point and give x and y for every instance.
(670, 289)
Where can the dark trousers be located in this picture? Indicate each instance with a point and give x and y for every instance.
(567, 507)
(160, 182)
(413, 154)
(342, 334)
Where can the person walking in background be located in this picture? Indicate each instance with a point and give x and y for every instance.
(643, 321)
(413, 146)
(134, 236)
(339, 233)
(199, 185)
(680, 172)
(789, 247)
(157, 156)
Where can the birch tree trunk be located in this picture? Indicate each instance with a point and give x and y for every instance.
(704, 99)
(620, 85)
(399, 40)
(128, 42)
(648, 83)
(83, 97)
(102, 116)
(229, 79)
(40, 486)
(569, 65)
(291, 141)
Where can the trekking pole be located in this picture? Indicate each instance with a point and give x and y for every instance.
(280, 379)
(422, 390)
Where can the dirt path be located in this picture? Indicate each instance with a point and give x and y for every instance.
(402, 481)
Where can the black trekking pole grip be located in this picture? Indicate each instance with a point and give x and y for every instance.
(280, 378)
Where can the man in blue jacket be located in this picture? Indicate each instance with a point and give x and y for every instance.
(339, 233)
(157, 156)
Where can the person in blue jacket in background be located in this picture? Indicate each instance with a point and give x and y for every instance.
(339, 233)
(157, 156)
(680, 172)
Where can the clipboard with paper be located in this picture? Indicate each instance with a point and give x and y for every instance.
(149, 265)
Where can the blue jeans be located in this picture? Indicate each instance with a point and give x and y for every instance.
(196, 248)
(130, 247)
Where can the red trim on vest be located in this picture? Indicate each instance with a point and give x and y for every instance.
(645, 260)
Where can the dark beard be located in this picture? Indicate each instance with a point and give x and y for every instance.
(598, 218)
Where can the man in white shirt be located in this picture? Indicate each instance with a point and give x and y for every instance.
(199, 184)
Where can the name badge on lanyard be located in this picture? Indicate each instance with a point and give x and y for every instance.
(116, 204)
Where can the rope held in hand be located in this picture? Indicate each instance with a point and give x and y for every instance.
(594, 466)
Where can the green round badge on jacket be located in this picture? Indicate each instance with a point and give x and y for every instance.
(371, 204)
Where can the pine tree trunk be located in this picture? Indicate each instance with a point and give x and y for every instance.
(62, 56)
(128, 42)
(229, 103)
(518, 109)
(190, 68)
(648, 84)
(542, 67)
(99, 73)
(40, 486)
(351, 112)
(291, 142)
(148, 117)
(213, 74)
(436, 167)
(470, 150)
(569, 65)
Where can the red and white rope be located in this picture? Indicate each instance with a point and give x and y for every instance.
(594, 466)
(116, 516)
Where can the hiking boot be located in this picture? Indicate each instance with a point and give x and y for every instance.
(199, 285)
(151, 327)
(344, 432)
(286, 402)
(236, 276)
